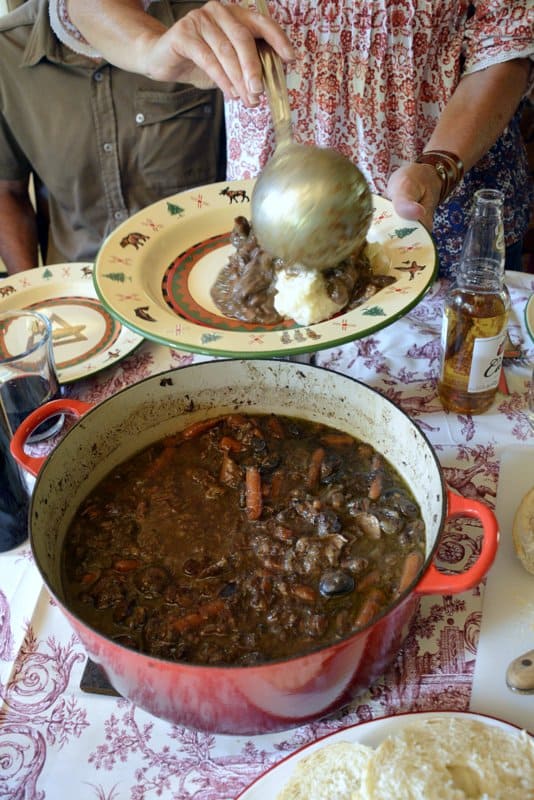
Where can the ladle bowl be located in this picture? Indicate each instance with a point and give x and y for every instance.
(311, 206)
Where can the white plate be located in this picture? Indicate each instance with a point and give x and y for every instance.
(155, 271)
(507, 627)
(86, 338)
(267, 786)
(529, 316)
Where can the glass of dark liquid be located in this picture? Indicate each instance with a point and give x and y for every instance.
(27, 380)
(14, 500)
(27, 371)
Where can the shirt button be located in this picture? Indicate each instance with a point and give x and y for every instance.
(98, 76)
(119, 215)
(139, 118)
(108, 147)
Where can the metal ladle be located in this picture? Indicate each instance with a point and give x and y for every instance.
(310, 205)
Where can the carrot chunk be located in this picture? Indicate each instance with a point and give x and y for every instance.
(314, 468)
(159, 463)
(370, 608)
(275, 427)
(337, 439)
(254, 501)
(231, 445)
(412, 564)
(276, 484)
(125, 564)
(197, 428)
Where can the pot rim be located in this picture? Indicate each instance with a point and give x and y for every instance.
(398, 601)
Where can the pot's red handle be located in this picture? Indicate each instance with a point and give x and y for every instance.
(64, 405)
(436, 582)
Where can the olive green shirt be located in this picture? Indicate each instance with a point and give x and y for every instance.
(104, 142)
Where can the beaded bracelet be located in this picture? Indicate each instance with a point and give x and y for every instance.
(449, 167)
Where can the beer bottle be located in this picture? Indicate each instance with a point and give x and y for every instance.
(476, 313)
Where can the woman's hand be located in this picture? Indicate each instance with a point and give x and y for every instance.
(213, 45)
(414, 190)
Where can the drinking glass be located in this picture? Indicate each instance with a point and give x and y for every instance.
(27, 370)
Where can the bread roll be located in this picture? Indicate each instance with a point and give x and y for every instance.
(331, 773)
(523, 531)
(451, 758)
(436, 758)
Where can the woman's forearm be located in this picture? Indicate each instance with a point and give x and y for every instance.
(475, 116)
(479, 110)
(121, 31)
(18, 228)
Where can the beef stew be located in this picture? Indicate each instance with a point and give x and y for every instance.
(242, 540)
(245, 288)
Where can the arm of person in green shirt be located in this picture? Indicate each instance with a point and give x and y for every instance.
(215, 40)
(18, 227)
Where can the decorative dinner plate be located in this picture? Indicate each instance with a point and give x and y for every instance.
(155, 272)
(529, 316)
(86, 337)
(268, 785)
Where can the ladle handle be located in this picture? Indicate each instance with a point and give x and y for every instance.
(275, 85)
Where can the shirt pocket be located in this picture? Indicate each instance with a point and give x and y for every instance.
(180, 136)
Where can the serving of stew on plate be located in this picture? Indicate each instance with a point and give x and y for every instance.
(241, 540)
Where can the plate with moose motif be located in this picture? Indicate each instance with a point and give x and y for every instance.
(86, 338)
(155, 271)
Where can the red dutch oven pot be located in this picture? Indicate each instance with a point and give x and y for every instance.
(275, 695)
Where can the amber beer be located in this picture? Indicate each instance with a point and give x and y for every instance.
(474, 333)
(476, 314)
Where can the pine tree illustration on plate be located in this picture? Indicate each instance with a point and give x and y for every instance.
(174, 209)
(374, 311)
(401, 233)
(120, 277)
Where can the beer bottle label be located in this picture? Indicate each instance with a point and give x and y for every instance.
(486, 363)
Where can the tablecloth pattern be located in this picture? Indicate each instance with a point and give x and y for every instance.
(57, 741)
